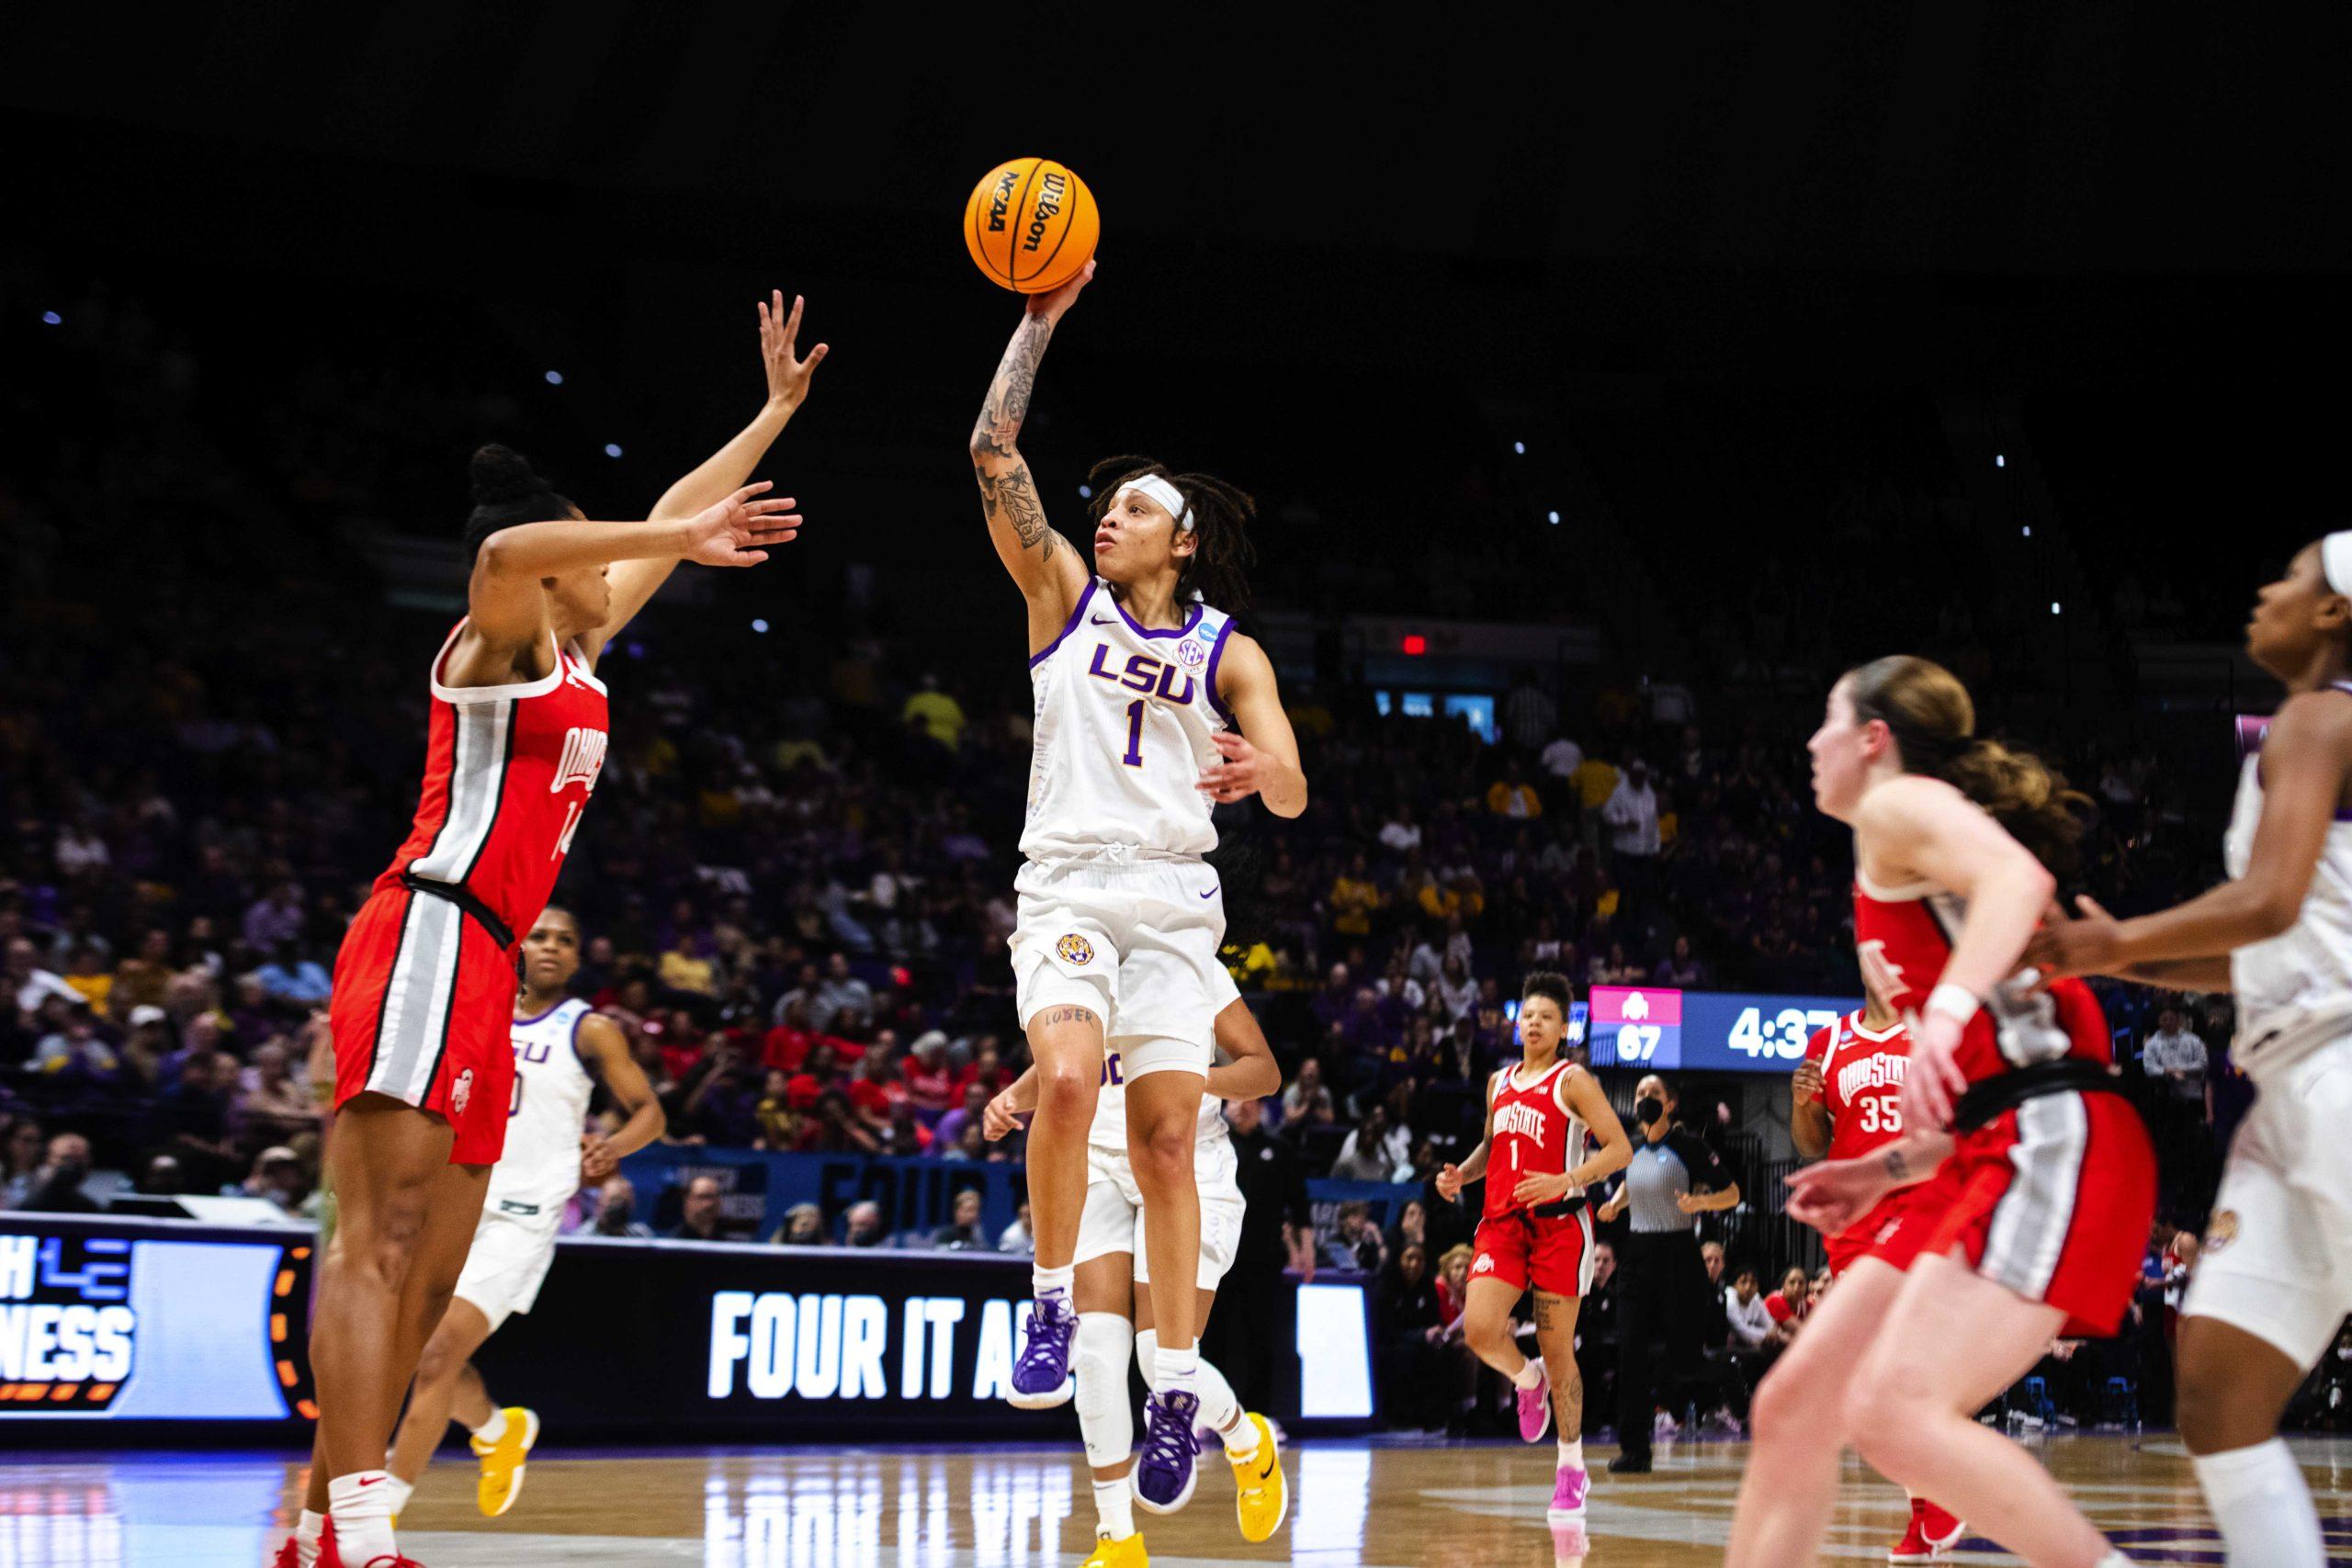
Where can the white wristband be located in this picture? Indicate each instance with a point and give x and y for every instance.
(1957, 1002)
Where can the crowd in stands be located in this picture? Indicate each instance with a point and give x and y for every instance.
(796, 878)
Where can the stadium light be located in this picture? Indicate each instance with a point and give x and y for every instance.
(2026, 530)
(2054, 606)
(1554, 517)
(1086, 492)
(50, 318)
(2000, 461)
(612, 448)
(1415, 644)
(555, 377)
(760, 627)
(1520, 447)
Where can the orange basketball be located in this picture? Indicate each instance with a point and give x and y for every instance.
(1031, 224)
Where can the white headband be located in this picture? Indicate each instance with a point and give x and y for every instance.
(1154, 487)
(2336, 561)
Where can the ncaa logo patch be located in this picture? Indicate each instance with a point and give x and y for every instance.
(2222, 1231)
(460, 1092)
(1075, 949)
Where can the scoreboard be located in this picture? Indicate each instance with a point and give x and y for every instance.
(1660, 1029)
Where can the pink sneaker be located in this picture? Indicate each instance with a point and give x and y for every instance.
(1567, 1495)
(1535, 1406)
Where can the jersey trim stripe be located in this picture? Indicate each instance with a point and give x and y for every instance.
(506, 729)
(468, 696)
(476, 781)
(2032, 1218)
(400, 951)
(1191, 619)
(423, 984)
(1061, 637)
(1209, 674)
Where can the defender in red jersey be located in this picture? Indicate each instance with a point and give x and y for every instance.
(426, 979)
(1536, 1226)
(1958, 842)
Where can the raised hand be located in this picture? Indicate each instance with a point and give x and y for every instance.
(788, 374)
(2083, 946)
(1054, 301)
(1834, 1194)
(739, 530)
(1805, 1086)
(1449, 1182)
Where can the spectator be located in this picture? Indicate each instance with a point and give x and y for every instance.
(1355, 1240)
(1787, 1306)
(58, 1188)
(950, 1131)
(616, 1210)
(1745, 1310)
(277, 1176)
(1681, 969)
(1630, 812)
(31, 984)
(1016, 1239)
(843, 1002)
(1411, 1327)
(1366, 1156)
(1307, 1104)
(20, 1161)
(269, 1102)
(1355, 898)
(294, 980)
(1412, 1228)
(930, 1077)
(698, 1214)
(862, 1226)
(2176, 1057)
(970, 1144)
(935, 713)
(780, 1122)
(684, 969)
(1711, 1257)
(1512, 796)
(161, 1179)
(275, 919)
(74, 1058)
(804, 1225)
(962, 1233)
(193, 1118)
(1453, 1284)
(87, 976)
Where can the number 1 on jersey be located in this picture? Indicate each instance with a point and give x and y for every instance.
(1134, 759)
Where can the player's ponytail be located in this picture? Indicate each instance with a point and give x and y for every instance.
(1928, 711)
(508, 491)
(1218, 568)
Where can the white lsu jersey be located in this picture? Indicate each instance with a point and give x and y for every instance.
(540, 1170)
(1122, 724)
(1214, 1160)
(2294, 991)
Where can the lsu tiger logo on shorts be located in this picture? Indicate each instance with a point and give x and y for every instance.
(2222, 1231)
(1075, 949)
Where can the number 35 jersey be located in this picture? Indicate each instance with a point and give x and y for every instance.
(1861, 1083)
(1123, 731)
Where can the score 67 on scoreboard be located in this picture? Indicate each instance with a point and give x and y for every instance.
(1659, 1028)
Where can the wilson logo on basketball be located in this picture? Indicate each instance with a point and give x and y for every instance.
(1075, 949)
(1049, 207)
(584, 759)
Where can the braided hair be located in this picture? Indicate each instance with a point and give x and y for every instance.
(507, 492)
(1218, 568)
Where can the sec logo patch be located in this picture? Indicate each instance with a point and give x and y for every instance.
(1075, 949)
(1191, 655)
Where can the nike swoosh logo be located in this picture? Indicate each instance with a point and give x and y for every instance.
(378, 1482)
(1210, 894)
(1098, 620)
(1268, 1470)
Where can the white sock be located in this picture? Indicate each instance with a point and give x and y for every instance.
(2258, 1498)
(1114, 1508)
(1221, 1409)
(1043, 1281)
(1175, 1372)
(493, 1429)
(1148, 1353)
(402, 1492)
(360, 1505)
(1571, 1454)
(307, 1530)
(1530, 1375)
(1107, 1421)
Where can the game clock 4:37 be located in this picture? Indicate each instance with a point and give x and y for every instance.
(1664, 1030)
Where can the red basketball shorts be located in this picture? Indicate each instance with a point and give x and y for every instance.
(421, 1012)
(2053, 1200)
(1554, 1255)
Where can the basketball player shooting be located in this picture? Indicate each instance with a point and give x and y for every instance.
(1151, 711)
(561, 1049)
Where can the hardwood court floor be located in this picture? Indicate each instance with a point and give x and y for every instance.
(1355, 1505)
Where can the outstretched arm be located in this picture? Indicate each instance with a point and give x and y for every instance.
(1262, 759)
(634, 582)
(507, 607)
(1253, 1073)
(1043, 564)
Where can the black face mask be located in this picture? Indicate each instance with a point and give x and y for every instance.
(1649, 1108)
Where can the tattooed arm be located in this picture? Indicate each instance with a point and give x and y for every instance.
(1047, 568)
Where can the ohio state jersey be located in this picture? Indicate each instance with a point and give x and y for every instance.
(1861, 1083)
(1533, 1134)
(1122, 733)
(1902, 937)
(507, 772)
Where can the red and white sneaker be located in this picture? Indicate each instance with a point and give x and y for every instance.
(290, 1555)
(1535, 1405)
(1933, 1532)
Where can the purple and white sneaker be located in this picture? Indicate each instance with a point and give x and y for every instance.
(1041, 1378)
(1164, 1473)
(1567, 1495)
(1535, 1406)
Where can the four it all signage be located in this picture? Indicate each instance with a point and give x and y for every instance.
(66, 1327)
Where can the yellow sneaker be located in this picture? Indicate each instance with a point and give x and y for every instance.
(1127, 1552)
(1261, 1494)
(502, 1461)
